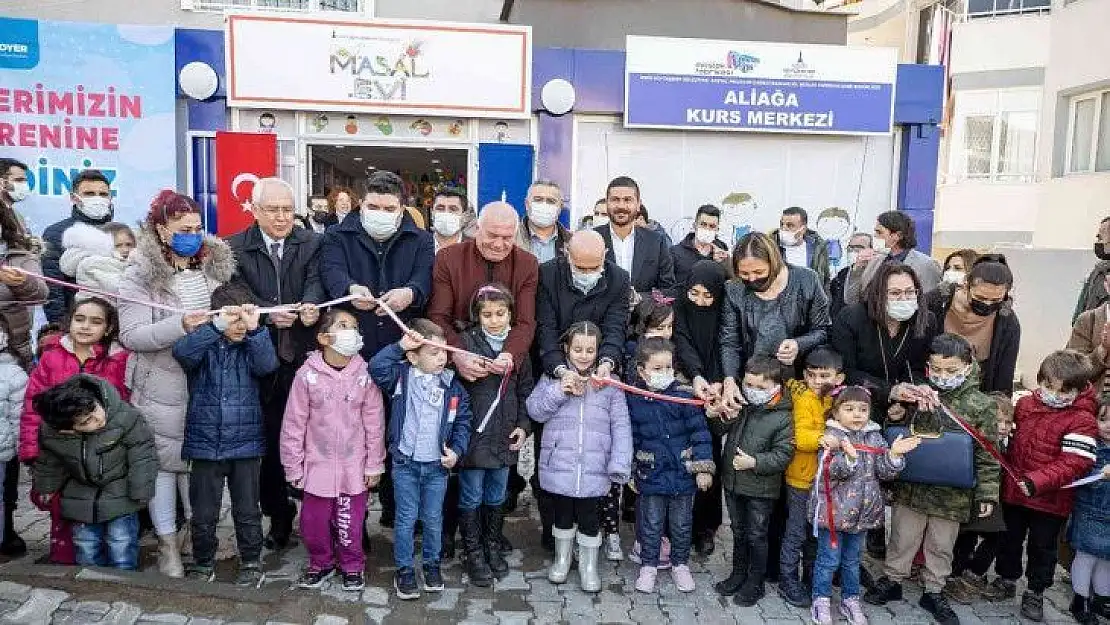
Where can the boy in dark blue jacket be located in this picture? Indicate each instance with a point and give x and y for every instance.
(224, 438)
(429, 430)
(674, 458)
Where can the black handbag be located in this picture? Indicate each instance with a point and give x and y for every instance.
(944, 458)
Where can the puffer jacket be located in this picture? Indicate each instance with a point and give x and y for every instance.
(765, 433)
(809, 425)
(960, 504)
(1051, 447)
(89, 258)
(13, 384)
(671, 443)
(19, 317)
(587, 442)
(60, 297)
(1089, 531)
(58, 363)
(333, 432)
(857, 498)
(101, 475)
(158, 385)
(224, 420)
(489, 449)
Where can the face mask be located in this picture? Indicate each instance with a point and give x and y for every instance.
(950, 383)
(901, 309)
(95, 207)
(380, 225)
(3, 341)
(982, 308)
(879, 245)
(954, 276)
(788, 239)
(20, 191)
(759, 285)
(544, 215)
(705, 236)
(852, 256)
(585, 282)
(600, 221)
(347, 342)
(447, 224)
(1053, 399)
(186, 245)
(496, 338)
(1101, 252)
(759, 396)
(660, 380)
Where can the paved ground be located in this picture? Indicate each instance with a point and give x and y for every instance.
(36, 594)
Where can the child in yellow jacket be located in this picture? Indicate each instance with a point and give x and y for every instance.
(824, 371)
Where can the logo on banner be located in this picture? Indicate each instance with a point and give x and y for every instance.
(734, 63)
(19, 45)
(799, 69)
(380, 69)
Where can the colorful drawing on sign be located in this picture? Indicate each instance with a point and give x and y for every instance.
(383, 125)
(78, 96)
(378, 68)
(456, 128)
(835, 226)
(423, 126)
(266, 122)
(352, 125)
(739, 209)
(502, 130)
(320, 122)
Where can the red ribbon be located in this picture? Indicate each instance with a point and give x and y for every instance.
(983, 442)
(635, 390)
(826, 482)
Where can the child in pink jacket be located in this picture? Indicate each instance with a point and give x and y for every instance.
(333, 447)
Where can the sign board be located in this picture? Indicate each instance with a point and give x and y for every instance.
(378, 66)
(758, 87)
(242, 159)
(76, 96)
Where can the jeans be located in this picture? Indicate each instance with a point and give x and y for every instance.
(418, 490)
(583, 512)
(482, 487)
(845, 556)
(1042, 530)
(120, 536)
(675, 513)
(332, 529)
(750, 517)
(794, 537)
(206, 492)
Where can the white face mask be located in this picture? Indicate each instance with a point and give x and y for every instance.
(759, 396)
(20, 191)
(660, 380)
(954, 276)
(347, 342)
(901, 309)
(585, 281)
(600, 221)
(705, 236)
(447, 224)
(380, 224)
(544, 215)
(3, 341)
(879, 245)
(789, 239)
(95, 207)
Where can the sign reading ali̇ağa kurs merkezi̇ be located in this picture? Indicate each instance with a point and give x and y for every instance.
(758, 87)
(379, 66)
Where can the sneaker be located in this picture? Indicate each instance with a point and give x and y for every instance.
(314, 579)
(885, 591)
(936, 603)
(958, 590)
(250, 575)
(404, 582)
(613, 552)
(353, 582)
(1032, 606)
(1001, 589)
(645, 582)
(820, 613)
(433, 579)
(199, 573)
(683, 579)
(852, 611)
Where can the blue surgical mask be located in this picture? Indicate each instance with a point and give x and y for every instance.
(759, 396)
(186, 244)
(496, 341)
(585, 281)
(1054, 399)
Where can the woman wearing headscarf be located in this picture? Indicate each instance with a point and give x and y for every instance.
(697, 312)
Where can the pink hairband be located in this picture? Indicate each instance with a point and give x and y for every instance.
(658, 297)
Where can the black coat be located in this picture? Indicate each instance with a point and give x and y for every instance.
(685, 254)
(998, 369)
(652, 265)
(559, 304)
(489, 449)
(836, 292)
(299, 281)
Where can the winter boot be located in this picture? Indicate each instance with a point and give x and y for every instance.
(564, 544)
(589, 547)
(477, 569)
(1081, 610)
(732, 584)
(169, 557)
(493, 522)
(12, 544)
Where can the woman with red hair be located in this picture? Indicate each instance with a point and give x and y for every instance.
(175, 263)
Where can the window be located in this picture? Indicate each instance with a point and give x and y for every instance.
(1089, 133)
(994, 135)
(345, 6)
(990, 8)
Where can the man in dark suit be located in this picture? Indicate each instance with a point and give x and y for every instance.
(278, 261)
(641, 252)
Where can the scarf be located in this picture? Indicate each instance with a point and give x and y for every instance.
(977, 330)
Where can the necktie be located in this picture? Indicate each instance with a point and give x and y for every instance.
(275, 251)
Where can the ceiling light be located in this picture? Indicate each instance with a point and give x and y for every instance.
(435, 161)
(358, 158)
(430, 149)
(438, 170)
(370, 167)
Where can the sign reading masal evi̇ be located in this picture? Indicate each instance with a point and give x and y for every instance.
(758, 87)
(379, 66)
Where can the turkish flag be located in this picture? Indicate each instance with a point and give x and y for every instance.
(242, 158)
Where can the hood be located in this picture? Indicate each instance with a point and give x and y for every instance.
(152, 268)
(64, 343)
(88, 238)
(317, 364)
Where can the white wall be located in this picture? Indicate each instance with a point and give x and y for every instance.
(1071, 208)
(986, 206)
(995, 44)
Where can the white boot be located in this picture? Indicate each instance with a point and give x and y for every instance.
(169, 557)
(564, 545)
(589, 548)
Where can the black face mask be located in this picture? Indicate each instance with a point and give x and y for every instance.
(982, 308)
(1101, 252)
(324, 218)
(760, 285)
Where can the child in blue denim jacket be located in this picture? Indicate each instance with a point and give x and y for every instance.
(429, 430)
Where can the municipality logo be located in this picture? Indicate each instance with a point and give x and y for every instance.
(19, 43)
(799, 69)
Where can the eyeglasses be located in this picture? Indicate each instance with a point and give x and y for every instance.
(903, 294)
(274, 211)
